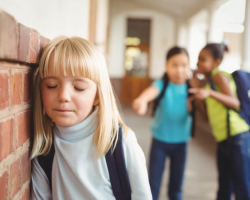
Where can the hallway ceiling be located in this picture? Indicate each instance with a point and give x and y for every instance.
(178, 8)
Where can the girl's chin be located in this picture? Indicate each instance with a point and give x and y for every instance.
(179, 81)
(65, 123)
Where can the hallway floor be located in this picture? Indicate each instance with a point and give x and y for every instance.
(200, 176)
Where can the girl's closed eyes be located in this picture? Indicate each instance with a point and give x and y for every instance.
(53, 87)
(78, 85)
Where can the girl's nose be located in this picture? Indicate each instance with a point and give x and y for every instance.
(63, 95)
(180, 70)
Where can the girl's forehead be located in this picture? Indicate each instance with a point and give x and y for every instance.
(57, 73)
(205, 52)
(179, 58)
(54, 69)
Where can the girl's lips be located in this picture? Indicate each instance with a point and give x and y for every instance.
(64, 110)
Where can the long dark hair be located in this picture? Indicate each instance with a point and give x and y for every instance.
(172, 52)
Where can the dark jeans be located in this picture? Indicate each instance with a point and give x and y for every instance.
(233, 160)
(177, 154)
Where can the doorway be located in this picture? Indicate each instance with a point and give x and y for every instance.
(137, 59)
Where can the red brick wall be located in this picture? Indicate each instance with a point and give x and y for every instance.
(20, 47)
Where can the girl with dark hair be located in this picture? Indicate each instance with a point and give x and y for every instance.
(229, 129)
(171, 128)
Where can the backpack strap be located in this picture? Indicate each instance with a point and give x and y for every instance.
(46, 162)
(117, 170)
(116, 166)
(192, 113)
(158, 99)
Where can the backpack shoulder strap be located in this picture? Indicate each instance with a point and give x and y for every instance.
(46, 162)
(192, 113)
(117, 170)
(158, 99)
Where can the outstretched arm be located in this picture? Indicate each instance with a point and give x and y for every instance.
(140, 104)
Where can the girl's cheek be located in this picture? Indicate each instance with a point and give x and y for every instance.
(48, 98)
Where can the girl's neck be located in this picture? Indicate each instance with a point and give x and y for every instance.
(208, 75)
(80, 130)
(177, 83)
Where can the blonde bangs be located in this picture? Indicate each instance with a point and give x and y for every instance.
(71, 59)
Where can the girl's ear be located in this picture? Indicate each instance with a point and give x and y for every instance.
(96, 101)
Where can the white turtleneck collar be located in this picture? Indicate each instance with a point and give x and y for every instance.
(80, 130)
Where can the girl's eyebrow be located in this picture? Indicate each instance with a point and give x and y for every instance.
(80, 79)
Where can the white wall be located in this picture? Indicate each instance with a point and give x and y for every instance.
(232, 60)
(51, 17)
(197, 40)
(101, 25)
(197, 36)
(182, 34)
(162, 37)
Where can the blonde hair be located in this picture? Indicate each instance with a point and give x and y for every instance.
(76, 56)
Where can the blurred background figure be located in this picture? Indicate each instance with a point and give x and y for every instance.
(134, 36)
(172, 125)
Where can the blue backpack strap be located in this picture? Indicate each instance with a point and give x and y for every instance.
(242, 81)
(46, 162)
(117, 170)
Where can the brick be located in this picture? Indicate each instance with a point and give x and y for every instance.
(4, 89)
(24, 43)
(23, 126)
(8, 36)
(3, 186)
(26, 167)
(15, 178)
(6, 138)
(34, 47)
(25, 195)
(16, 88)
(27, 87)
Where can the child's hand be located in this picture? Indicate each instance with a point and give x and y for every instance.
(140, 106)
(195, 82)
(200, 93)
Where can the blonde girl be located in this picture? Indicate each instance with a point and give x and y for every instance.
(77, 126)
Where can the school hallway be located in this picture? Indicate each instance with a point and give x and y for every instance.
(200, 176)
